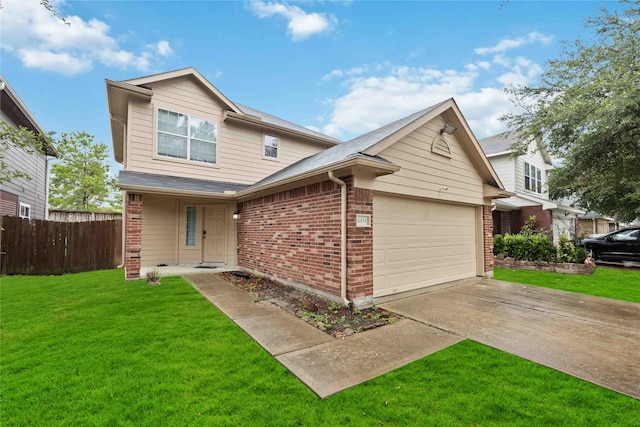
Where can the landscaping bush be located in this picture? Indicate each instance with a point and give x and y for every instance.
(498, 244)
(535, 245)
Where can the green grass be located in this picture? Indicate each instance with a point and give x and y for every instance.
(604, 282)
(92, 349)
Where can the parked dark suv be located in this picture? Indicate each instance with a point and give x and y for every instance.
(621, 245)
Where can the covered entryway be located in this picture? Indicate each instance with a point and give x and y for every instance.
(419, 243)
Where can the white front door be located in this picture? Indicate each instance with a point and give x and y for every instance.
(214, 234)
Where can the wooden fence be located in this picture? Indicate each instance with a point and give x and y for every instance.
(37, 247)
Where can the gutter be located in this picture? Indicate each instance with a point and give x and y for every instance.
(343, 237)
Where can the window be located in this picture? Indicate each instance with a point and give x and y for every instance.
(271, 146)
(191, 226)
(25, 211)
(532, 178)
(186, 137)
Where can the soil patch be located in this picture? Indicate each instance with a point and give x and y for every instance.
(329, 316)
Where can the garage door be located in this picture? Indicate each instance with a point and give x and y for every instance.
(418, 243)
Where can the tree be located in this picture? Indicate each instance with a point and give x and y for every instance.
(80, 179)
(21, 138)
(586, 110)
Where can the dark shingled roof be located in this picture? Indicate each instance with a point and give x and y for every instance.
(350, 149)
(268, 118)
(498, 143)
(140, 179)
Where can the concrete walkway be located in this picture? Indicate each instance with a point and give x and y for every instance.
(326, 365)
(596, 339)
(592, 338)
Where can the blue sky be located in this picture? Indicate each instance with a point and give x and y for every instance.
(339, 67)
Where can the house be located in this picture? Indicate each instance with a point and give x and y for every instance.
(595, 223)
(208, 180)
(526, 176)
(23, 197)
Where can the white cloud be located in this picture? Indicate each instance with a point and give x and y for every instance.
(522, 73)
(62, 63)
(384, 93)
(376, 100)
(508, 44)
(163, 48)
(43, 41)
(301, 24)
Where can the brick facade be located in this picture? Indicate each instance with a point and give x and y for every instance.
(359, 243)
(487, 234)
(133, 235)
(294, 235)
(543, 218)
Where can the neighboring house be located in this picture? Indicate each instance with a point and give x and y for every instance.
(207, 180)
(22, 197)
(526, 176)
(595, 223)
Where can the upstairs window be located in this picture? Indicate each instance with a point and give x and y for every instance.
(271, 146)
(532, 178)
(25, 211)
(186, 137)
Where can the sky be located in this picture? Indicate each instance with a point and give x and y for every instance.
(338, 67)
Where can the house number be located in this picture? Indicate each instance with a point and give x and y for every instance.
(363, 220)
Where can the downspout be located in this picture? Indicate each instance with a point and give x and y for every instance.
(343, 237)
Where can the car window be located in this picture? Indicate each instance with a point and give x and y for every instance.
(625, 236)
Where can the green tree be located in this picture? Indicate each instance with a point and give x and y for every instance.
(80, 179)
(586, 110)
(21, 138)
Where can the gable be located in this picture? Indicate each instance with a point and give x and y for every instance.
(432, 165)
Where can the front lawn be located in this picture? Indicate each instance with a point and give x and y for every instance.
(92, 349)
(604, 282)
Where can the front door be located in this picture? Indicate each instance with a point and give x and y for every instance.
(214, 234)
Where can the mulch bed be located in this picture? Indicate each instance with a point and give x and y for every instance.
(328, 316)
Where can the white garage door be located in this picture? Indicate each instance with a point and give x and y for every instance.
(418, 243)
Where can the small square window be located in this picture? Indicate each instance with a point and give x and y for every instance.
(271, 146)
(25, 211)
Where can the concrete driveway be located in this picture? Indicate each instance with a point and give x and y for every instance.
(596, 339)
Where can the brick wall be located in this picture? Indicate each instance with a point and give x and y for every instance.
(359, 243)
(295, 235)
(487, 233)
(543, 218)
(133, 235)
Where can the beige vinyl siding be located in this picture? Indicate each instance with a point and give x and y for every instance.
(159, 221)
(239, 148)
(426, 174)
(505, 168)
(32, 192)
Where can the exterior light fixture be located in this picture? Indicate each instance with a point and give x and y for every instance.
(236, 214)
(449, 129)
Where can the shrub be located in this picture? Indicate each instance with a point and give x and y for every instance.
(498, 244)
(535, 247)
(566, 249)
(539, 248)
(514, 246)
